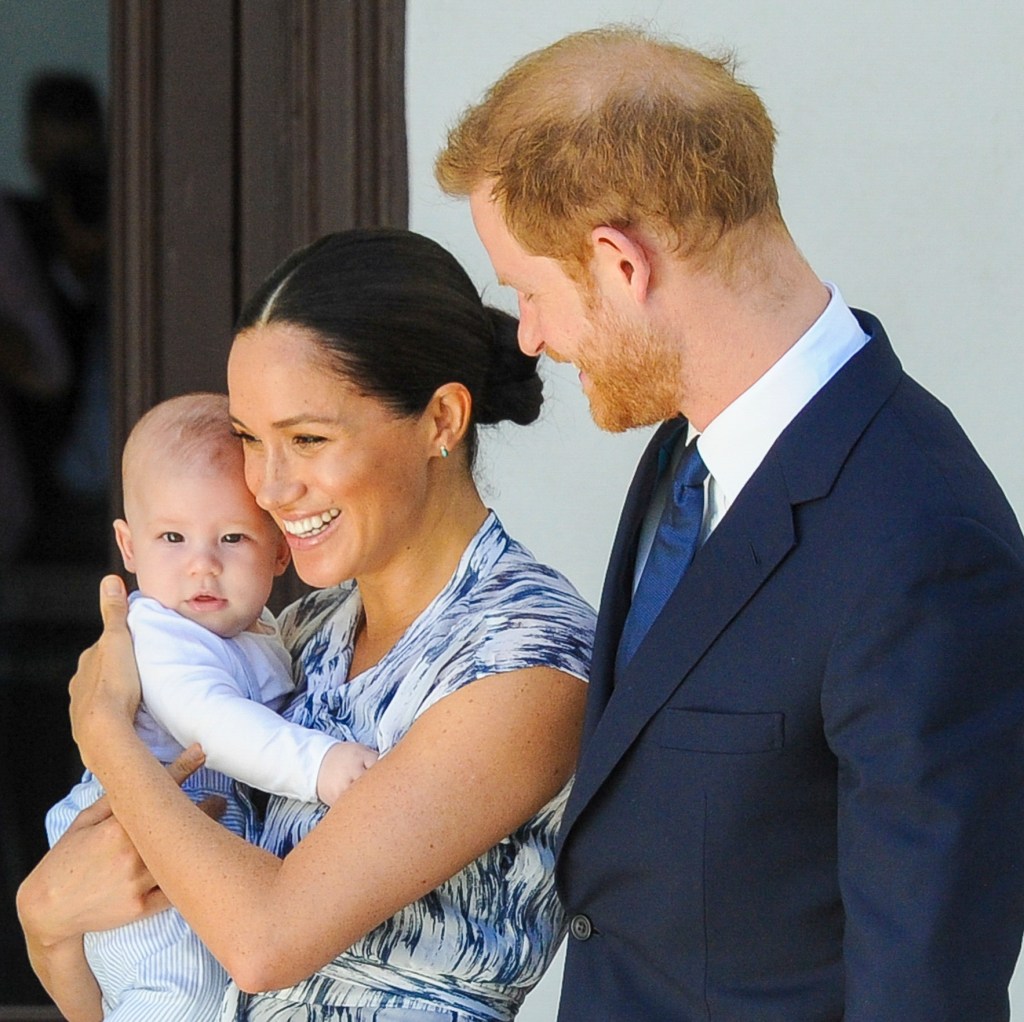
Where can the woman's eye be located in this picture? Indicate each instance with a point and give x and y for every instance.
(307, 440)
(246, 438)
(172, 537)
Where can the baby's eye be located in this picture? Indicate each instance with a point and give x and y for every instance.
(172, 537)
(232, 537)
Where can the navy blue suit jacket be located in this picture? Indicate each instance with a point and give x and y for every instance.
(803, 799)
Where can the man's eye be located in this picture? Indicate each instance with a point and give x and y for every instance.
(172, 537)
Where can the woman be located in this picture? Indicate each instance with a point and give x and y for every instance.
(357, 378)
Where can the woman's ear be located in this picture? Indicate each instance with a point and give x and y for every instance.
(621, 262)
(448, 416)
(123, 536)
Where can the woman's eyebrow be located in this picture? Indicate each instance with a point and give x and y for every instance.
(295, 420)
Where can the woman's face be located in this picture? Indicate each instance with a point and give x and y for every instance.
(344, 477)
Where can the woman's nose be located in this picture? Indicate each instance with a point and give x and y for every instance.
(272, 483)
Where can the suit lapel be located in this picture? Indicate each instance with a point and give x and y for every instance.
(740, 555)
(733, 564)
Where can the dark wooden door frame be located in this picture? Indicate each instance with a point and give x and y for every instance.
(241, 129)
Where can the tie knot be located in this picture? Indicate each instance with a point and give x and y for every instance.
(692, 471)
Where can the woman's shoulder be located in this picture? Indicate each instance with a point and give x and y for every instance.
(516, 579)
(512, 611)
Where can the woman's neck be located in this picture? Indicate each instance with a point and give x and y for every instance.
(394, 597)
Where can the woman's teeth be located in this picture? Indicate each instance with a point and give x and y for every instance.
(305, 527)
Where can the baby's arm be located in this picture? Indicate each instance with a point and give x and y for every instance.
(189, 689)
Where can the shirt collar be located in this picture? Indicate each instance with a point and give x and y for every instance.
(736, 441)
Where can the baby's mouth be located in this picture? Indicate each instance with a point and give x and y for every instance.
(306, 527)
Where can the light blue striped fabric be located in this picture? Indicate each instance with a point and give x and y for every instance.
(156, 969)
(473, 948)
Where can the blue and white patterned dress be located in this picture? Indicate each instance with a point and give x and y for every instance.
(472, 948)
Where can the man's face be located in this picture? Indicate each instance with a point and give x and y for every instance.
(49, 140)
(629, 372)
(551, 304)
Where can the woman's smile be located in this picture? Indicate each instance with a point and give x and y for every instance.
(306, 528)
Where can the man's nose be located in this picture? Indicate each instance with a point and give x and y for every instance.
(529, 335)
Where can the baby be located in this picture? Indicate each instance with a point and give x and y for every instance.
(213, 671)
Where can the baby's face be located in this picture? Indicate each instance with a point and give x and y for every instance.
(198, 544)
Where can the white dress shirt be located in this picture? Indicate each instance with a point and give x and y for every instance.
(736, 441)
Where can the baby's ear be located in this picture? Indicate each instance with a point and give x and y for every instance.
(283, 556)
(123, 535)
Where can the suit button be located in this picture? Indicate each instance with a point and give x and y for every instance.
(580, 927)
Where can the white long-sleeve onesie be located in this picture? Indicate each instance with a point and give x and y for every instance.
(223, 694)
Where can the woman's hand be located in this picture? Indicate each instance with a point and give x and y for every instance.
(105, 690)
(92, 879)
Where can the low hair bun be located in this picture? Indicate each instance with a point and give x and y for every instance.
(513, 390)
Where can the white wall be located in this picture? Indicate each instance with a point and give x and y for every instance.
(900, 162)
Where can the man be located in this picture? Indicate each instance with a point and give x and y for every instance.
(801, 791)
(55, 246)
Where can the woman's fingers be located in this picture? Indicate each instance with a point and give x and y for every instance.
(113, 604)
(91, 815)
(187, 763)
(105, 689)
(215, 806)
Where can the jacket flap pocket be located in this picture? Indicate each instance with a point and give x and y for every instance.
(705, 731)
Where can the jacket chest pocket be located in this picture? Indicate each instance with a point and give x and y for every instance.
(723, 733)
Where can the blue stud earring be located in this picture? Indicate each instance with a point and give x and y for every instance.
(444, 451)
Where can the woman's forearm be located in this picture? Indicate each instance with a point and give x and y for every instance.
(92, 879)
(414, 819)
(223, 893)
(219, 883)
(458, 782)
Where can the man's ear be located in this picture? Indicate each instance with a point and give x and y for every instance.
(123, 535)
(621, 261)
(283, 554)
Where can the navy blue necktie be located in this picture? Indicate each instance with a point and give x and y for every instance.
(673, 548)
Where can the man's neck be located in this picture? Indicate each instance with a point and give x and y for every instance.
(731, 334)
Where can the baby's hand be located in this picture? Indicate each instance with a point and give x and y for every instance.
(343, 763)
